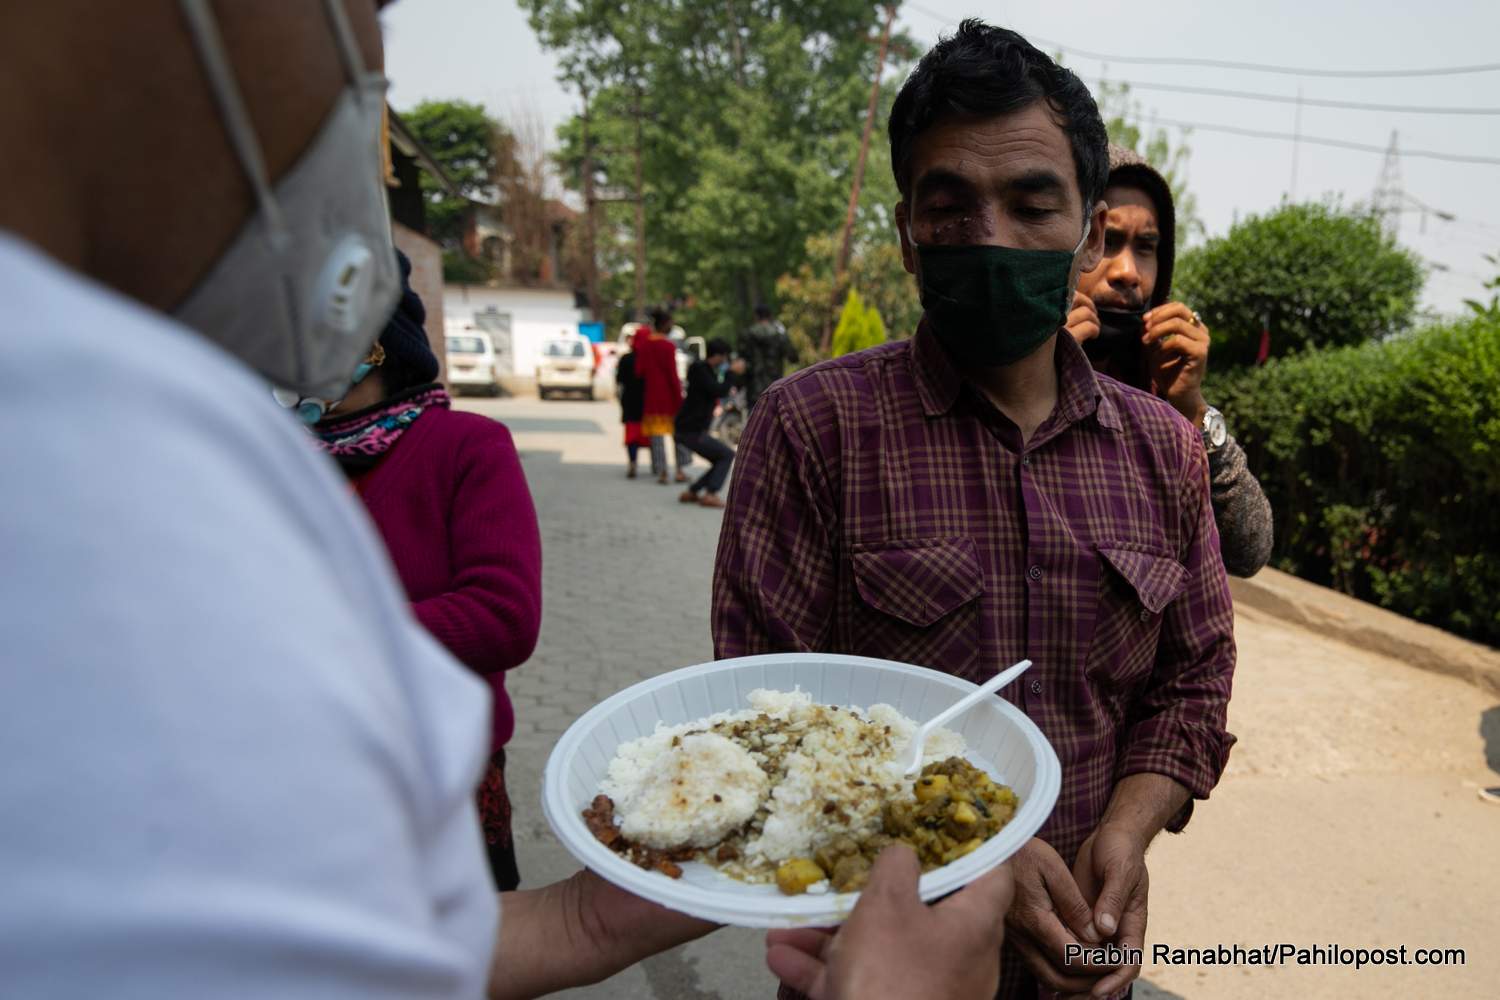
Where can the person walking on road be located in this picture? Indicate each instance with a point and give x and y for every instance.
(447, 494)
(705, 388)
(631, 391)
(767, 351)
(656, 364)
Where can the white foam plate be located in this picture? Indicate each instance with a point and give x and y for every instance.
(1000, 738)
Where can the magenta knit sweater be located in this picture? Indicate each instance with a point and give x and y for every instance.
(451, 501)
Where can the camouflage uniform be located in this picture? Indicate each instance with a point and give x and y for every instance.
(766, 349)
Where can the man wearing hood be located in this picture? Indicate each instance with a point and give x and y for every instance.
(1124, 317)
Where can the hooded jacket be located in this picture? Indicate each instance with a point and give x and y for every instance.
(1241, 510)
(1127, 168)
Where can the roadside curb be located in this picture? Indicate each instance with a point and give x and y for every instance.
(1368, 627)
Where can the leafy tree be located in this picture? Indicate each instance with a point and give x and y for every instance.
(502, 166)
(1382, 462)
(1123, 120)
(465, 142)
(874, 328)
(1490, 309)
(750, 113)
(849, 335)
(860, 326)
(807, 294)
(1319, 274)
(461, 269)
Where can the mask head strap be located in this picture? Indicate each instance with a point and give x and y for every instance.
(1088, 224)
(204, 28)
(343, 34)
(205, 31)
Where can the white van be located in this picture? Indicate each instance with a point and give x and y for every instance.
(568, 364)
(471, 361)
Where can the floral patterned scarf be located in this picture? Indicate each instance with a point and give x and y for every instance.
(360, 439)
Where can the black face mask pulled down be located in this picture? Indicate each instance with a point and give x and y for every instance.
(1117, 350)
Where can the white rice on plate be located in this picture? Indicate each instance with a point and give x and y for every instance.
(696, 796)
(776, 779)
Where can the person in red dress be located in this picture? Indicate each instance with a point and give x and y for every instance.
(656, 365)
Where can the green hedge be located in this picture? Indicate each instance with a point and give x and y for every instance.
(1323, 275)
(1382, 464)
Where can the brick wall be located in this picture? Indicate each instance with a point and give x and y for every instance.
(427, 281)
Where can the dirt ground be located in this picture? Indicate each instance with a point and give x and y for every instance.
(1349, 816)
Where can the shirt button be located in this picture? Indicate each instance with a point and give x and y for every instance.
(1025, 459)
(1036, 687)
(1145, 615)
(1035, 573)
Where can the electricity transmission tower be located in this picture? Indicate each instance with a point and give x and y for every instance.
(1389, 197)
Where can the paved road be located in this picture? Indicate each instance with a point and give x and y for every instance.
(1348, 815)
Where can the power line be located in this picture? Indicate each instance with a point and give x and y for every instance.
(1365, 74)
(1473, 252)
(1457, 229)
(1449, 219)
(1262, 134)
(1425, 154)
(1311, 101)
(1459, 240)
(1437, 269)
(1357, 74)
(1475, 224)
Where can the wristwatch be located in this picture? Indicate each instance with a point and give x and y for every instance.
(1215, 431)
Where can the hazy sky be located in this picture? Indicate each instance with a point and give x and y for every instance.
(483, 50)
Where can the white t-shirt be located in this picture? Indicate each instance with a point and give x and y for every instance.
(231, 763)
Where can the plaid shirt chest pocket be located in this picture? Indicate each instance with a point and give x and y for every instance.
(918, 603)
(1135, 588)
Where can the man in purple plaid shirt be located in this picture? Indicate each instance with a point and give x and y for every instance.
(977, 494)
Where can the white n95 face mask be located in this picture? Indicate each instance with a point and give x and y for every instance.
(311, 278)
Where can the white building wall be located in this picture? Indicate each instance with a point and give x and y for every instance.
(536, 316)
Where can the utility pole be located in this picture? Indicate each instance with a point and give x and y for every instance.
(841, 262)
(590, 221)
(640, 213)
(747, 281)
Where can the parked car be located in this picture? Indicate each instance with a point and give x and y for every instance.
(566, 365)
(471, 362)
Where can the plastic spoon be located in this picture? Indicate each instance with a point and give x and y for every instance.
(962, 705)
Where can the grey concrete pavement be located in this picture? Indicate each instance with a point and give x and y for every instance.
(1348, 815)
(626, 576)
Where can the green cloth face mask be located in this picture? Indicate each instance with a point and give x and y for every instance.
(992, 306)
